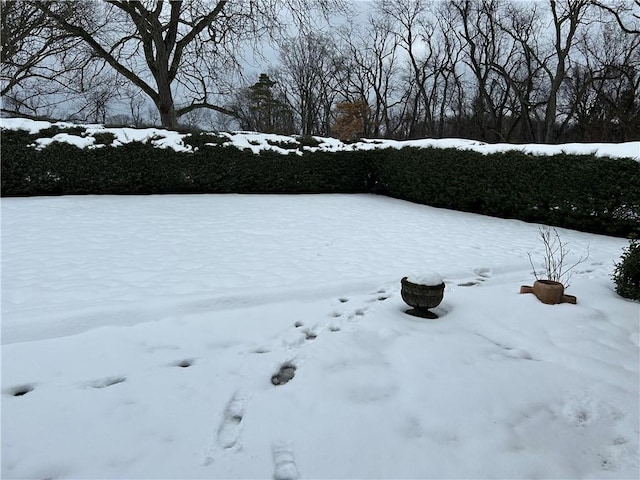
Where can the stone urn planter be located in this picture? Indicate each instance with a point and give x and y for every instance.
(549, 292)
(422, 293)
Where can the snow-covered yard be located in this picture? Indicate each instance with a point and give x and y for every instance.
(140, 336)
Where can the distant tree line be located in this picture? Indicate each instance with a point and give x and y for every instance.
(542, 71)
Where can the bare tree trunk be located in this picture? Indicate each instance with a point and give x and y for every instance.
(164, 103)
(563, 43)
(484, 44)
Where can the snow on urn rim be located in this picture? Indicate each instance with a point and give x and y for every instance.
(431, 279)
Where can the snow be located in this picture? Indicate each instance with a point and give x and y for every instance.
(430, 279)
(140, 336)
(257, 142)
(34, 126)
(78, 141)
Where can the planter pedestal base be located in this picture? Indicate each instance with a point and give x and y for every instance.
(422, 313)
(565, 298)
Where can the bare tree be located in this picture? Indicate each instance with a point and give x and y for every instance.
(34, 53)
(379, 60)
(625, 12)
(522, 71)
(136, 104)
(177, 53)
(603, 93)
(541, 64)
(370, 72)
(309, 68)
(413, 30)
(487, 48)
(449, 109)
(567, 18)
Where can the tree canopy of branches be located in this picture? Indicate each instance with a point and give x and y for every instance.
(180, 54)
(38, 59)
(310, 67)
(494, 70)
(500, 70)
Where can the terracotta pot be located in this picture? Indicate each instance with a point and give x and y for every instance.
(421, 297)
(548, 291)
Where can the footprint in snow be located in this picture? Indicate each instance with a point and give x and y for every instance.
(187, 362)
(514, 354)
(309, 335)
(107, 382)
(284, 462)
(287, 372)
(582, 410)
(231, 426)
(585, 412)
(519, 354)
(20, 390)
(378, 298)
(483, 272)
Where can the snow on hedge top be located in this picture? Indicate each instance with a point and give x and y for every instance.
(257, 142)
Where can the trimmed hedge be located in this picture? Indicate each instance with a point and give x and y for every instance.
(600, 195)
(582, 192)
(141, 168)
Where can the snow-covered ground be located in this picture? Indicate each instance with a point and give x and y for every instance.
(142, 338)
(257, 142)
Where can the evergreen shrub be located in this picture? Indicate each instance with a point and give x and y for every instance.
(626, 275)
(307, 141)
(284, 144)
(104, 138)
(54, 130)
(204, 139)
